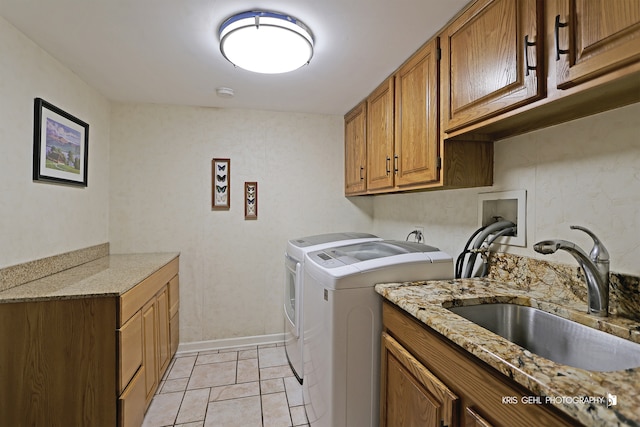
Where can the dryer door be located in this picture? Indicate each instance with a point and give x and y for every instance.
(292, 291)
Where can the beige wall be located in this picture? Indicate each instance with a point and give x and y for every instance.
(585, 172)
(149, 190)
(232, 270)
(39, 220)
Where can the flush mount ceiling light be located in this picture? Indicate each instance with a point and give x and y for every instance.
(266, 42)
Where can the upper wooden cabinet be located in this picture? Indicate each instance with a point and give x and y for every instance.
(491, 61)
(381, 162)
(355, 150)
(416, 119)
(594, 37)
(404, 151)
(586, 58)
(500, 68)
(402, 126)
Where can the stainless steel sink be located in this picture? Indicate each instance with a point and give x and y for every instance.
(555, 338)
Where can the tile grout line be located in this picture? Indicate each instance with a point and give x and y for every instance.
(237, 359)
(260, 385)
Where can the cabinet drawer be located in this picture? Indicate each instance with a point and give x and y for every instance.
(131, 405)
(132, 300)
(130, 350)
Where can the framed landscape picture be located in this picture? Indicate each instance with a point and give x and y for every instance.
(60, 146)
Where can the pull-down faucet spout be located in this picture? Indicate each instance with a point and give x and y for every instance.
(595, 267)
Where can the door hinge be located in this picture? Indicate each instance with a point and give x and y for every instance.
(439, 162)
(438, 54)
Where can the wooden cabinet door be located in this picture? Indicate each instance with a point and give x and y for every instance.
(380, 147)
(416, 118)
(410, 394)
(150, 356)
(491, 61)
(164, 345)
(355, 150)
(174, 318)
(594, 37)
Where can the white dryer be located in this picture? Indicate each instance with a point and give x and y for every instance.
(293, 286)
(343, 324)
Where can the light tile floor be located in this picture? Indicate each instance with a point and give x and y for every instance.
(248, 386)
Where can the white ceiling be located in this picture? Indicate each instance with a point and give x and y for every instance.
(166, 51)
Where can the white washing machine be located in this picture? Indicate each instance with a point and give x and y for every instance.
(293, 286)
(343, 324)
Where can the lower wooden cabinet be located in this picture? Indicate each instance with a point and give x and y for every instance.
(93, 361)
(151, 302)
(58, 363)
(427, 380)
(411, 394)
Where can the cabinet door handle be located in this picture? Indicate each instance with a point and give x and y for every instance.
(361, 170)
(527, 45)
(556, 31)
(395, 164)
(387, 166)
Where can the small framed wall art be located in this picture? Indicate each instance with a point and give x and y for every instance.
(220, 184)
(60, 146)
(250, 200)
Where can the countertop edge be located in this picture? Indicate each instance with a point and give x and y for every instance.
(108, 276)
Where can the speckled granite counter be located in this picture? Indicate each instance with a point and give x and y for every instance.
(110, 275)
(565, 386)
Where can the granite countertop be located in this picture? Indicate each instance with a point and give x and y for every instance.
(110, 275)
(578, 393)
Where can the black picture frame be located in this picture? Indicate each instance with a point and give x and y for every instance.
(60, 146)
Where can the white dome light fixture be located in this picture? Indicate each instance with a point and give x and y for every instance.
(266, 42)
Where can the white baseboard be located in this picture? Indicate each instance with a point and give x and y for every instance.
(230, 343)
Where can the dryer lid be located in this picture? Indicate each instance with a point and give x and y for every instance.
(319, 239)
(366, 251)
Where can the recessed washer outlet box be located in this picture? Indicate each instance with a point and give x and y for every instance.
(505, 205)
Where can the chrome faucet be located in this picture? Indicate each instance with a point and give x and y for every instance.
(595, 267)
